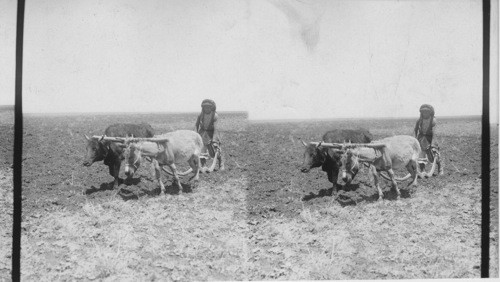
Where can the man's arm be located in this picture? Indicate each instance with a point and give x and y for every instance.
(416, 128)
(434, 126)
(216, 121)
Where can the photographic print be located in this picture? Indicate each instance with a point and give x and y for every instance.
(249, 140)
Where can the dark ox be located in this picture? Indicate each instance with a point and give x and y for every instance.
(330, 159)
(111, 152)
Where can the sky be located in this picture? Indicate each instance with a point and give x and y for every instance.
(275, 59)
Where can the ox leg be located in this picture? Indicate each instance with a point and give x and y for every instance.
(116, 174)
(333, 175)
(152, 168)
(112, 173)
(394, 184)
(412, 167)
(329, 173)
(173, 168)
(376, 180)
(158, 175)
(111, 168)
(194, 162)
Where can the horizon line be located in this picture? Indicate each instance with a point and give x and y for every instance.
(362, 118)
(241, 112)
(121, 113)
(250, 119)
(254, 120)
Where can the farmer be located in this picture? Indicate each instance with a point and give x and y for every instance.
(206, 126)
(425, 129)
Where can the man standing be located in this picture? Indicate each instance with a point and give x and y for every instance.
(206, 126)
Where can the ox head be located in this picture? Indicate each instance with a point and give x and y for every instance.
(350, 165)
(96, 150)
(132, 154)
(314, 156)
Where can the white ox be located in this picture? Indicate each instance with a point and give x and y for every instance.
(384, 155)
(166, 150)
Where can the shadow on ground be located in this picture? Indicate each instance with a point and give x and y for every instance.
(354, 193)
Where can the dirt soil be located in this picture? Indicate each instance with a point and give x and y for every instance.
(261, 219)
(433, 232)
(6, 190)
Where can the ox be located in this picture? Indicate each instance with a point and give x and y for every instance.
(329, 159)
(111, 152)
(384, 155)
(167, 149)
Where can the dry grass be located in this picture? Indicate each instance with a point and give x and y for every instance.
(6, 116)
(168, 237)
(183, 238)
(6, 212)
(420, 237)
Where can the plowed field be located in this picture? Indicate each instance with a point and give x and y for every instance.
(260, 219)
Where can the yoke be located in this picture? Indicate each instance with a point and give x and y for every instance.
(130, 139)
(349, 145)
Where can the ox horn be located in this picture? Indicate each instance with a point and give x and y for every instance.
(303, 143)
(86, 137)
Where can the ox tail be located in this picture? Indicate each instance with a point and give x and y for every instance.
(169, 172)
(396, 178)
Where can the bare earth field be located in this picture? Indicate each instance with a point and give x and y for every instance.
(261, 219)
(433, 232)
(6, 190)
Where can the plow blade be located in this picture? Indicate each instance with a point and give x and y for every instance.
(214, 162)
(169, 172)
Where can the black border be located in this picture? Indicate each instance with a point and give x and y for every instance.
(18, 142)
(18, 146)
(485, 145)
